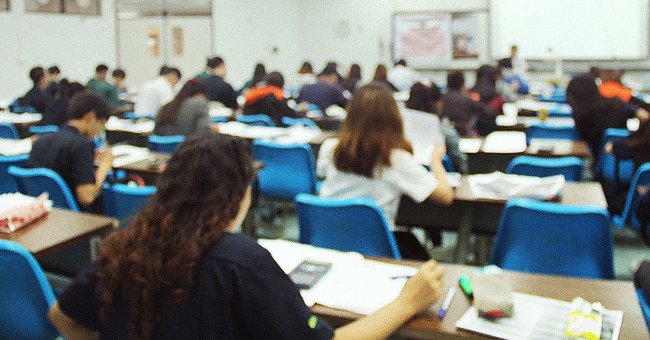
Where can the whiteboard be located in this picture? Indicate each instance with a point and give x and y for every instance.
(570, 29)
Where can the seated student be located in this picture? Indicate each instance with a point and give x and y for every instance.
(381, 77)
(268, 98)
(351, 81)
(106, 90)
(37, 97)
(509, 91)
(611, 86)
(119, 77)
(404, 77)
(158, 92)
(426, 99)
(259, 72)
(71, 151)
(187, 114)
(305, 75)
(53, 74)
(180, 270)
(216, 87)
(461, 110)
(373, 159)
(642, 277)
(485, 88)
(325, 92)
(56, 114)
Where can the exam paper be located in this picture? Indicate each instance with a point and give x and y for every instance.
(15, 147)
(127, 154)
(251, 132)
(498, 185)
(423, 131)
(128, 125)
(18, 118)
(505, 142)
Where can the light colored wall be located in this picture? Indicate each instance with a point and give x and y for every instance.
(75, 43)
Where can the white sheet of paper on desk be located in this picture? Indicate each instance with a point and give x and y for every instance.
(128, 125)
(470, 145)
(557, 146)
(504, 120)
(510, 110)
(498, 185)
(221, 111)
(299, 134)
(127, 154)
(15, 147)
(534, 317)
(24, 118)
(505, 142)
(423, 131)
(248, 131)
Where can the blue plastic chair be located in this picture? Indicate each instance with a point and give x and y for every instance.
(541, 130)
(645, 306)
(606, 165)
(628, 216)
(571, 167)
(17, 107)
(8, 131)
(289, 169)
(43, 129)
(26, 295)
(288, 121)
(556, 239)
(356, 224)
(219, 119)
(448, 164)
(165, 144)
(122, 201)
(132, 115)
(560, 112)
(256, 120)
(8, 183)
(34, 182)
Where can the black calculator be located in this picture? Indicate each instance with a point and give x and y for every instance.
(308, 273)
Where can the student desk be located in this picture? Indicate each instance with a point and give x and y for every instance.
(522, 123)
(468, 214)
(614, 295)
(22, 121)
(58, 230)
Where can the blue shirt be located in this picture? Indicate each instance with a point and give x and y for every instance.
(323, 95)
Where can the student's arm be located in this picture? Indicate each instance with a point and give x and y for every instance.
(231, 98)
(444, 193)
(419, 292)
(87, 193)
(68, 327)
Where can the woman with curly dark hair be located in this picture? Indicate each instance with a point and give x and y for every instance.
(179, 270)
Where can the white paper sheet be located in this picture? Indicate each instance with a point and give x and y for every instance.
(557, 146)
(129, 125)
(534, 317)
(127, 154)
(498, 185)
(470, 145)
(423, 131)
(505, 142)
(24, 118)
(252, 132)
(14, 147)
(299, 134)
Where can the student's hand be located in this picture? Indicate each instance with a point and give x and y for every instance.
(642, 114)
(105, 158)
(423, 289)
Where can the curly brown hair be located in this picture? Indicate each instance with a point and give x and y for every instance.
(153, 261)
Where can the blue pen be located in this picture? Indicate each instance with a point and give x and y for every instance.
(446, 303)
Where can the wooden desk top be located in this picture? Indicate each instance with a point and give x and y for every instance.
(614, 295)
(59, 229)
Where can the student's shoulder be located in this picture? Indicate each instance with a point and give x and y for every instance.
(238, 249)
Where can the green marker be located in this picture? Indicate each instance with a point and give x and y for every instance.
(466, 285)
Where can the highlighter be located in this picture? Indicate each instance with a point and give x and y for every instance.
(466, 285)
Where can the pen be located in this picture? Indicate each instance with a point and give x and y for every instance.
(446, 303)
(466, 286)
(401, 277)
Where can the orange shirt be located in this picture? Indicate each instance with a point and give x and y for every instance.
(612, 89)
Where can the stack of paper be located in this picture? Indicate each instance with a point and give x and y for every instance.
(423, 131)
(129, 125)
(498, 185)
(505, 142)
(14, 147)
(22, 118)
(127, 154)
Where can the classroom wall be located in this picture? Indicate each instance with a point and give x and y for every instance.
(75, 43)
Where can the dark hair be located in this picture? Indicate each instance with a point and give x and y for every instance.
(53, 69)
(101, 68)
(36, 74)
(353, 77)
(214, 62)
(163, 70)
(274, 78)
(170, 70)
(401, 62)
(371, 130)
(422, 98)
(505, 63)
(306, 68)
(258, 74)
(68, 90)
(455, 80)
(86, 101)
(153, 262)
(119, 73)
(486, 80)
(169, 112)
(381, 73)
(329, 70)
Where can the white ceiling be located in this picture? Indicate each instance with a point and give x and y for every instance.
(178, 7)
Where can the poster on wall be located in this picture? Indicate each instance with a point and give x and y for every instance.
(4, 5)
(464, 32)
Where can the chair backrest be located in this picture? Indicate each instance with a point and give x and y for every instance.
(645, 306)
(256, 120)
(8, 183)
(550, 238)
(606, 164)
(219, 119)
(288, 121)
(43, 129)
(571, 167)
(628, 216)
(132, 115)
(166, 144)
(122, 201)
(26, 295)
(34, 182)
(356, 224)
(17, 107)
(289, 169)
(8, 131)
(448, 164)
(541, 130)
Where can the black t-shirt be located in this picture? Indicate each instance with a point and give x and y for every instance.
(239, 292)
(323, 95)
(69, 154)
(37, 99)
(218, 90)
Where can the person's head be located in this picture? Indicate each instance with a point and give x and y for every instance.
(203, 193)
(582, 93)
(329, 75)
(68, 90)
(163, 69)
(486, 74)
(514, 50)
(172, 75)
(37, 75)
(355, 71)
(421, 98)
(169, 112)
(53, 73)
(258, 73)
(594, 72)
(372, 129)
(274, 78)
(400, 62)
(455, 80)
(381, 73)
(118, 76)
(217, 66)
(88, 112)
(101, 71)
(306, 68)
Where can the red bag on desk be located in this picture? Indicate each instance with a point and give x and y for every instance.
(21, 215)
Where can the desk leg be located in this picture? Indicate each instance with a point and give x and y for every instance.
(464, 232)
